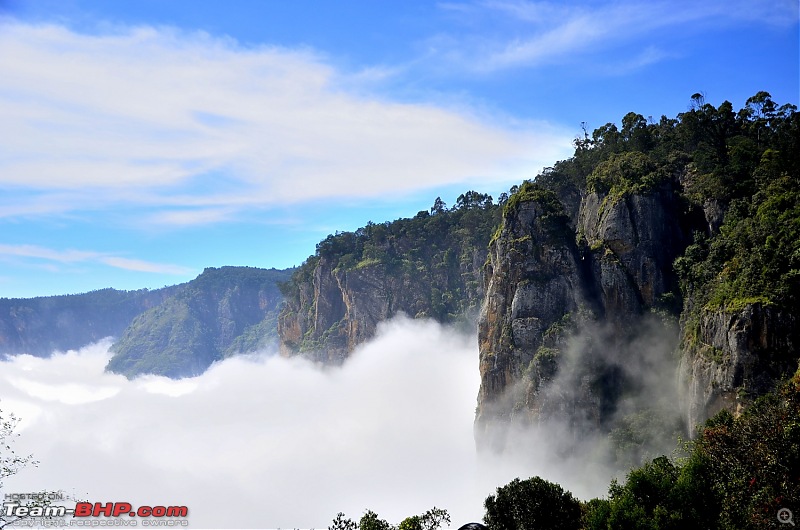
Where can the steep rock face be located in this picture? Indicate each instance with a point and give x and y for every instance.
(341, 309)
(429, 266)
(634, 240)
(534, 278)
(39, 326)
(563, 305)
(728, 358)
(222, 312)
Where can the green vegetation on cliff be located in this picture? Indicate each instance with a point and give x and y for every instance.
(741, 168)
(682, 256)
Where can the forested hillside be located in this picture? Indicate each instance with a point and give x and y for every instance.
(223, 312)
(176, 331)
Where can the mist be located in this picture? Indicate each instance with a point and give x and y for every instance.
(264, 441)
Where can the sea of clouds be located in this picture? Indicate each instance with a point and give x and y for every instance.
(265, 442)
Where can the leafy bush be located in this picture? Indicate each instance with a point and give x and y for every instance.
(532, 504)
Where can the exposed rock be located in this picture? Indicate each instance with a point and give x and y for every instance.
(533, 279)
(347, 305)
(730, 358)
(547, 283)
(635, 239)
(714, 214)
(426, 267)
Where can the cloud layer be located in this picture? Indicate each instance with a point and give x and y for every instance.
(286, 443)
(196, 128)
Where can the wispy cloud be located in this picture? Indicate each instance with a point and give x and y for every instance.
(33, 251)
(537, 33)
(71, 256)
(143, 266)
(192, 217)
(170, 120)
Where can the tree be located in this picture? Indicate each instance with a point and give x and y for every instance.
(342, 523)
(434, 518)
(11, 462)
(371, 521)
(438, 206)
(533, 504)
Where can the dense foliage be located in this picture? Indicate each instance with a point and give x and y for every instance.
(530, 505)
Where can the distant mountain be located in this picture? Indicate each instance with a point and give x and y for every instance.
(38, 326)
(176, 331)
(222, 312)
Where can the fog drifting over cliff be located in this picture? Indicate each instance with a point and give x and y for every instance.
(271, 442)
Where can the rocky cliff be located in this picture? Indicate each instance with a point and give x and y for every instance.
(659, 267)
(561, 325)
(427, 266)
(222, 312)
(730, 357)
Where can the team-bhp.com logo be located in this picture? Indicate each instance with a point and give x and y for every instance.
(119, 509)
(17, 512)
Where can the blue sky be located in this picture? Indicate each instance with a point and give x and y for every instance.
(145, 140)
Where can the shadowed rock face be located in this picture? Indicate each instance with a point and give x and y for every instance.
(558, 296)
(730, 358)
(341, 309)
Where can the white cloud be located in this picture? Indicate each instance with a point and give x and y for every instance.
(167, 119)
(285, 443)
(70, 256)
(554, 32)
